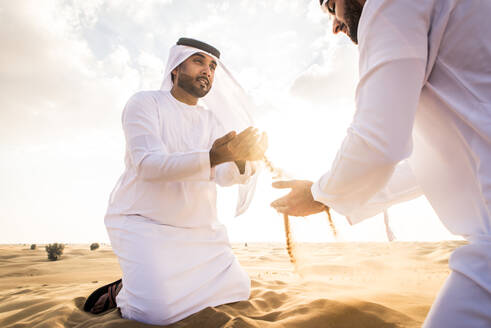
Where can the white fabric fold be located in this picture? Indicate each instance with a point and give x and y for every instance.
(228, 174)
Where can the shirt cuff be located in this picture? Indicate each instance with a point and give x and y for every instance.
(321, 197)
(248, 172)
(317, 193)
(204, 170)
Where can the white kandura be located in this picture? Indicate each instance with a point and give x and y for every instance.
(423, 126)
(162, 218)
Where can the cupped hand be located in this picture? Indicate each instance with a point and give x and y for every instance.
(257, 150)
(220, 150)
(299, 202)
(249, 145)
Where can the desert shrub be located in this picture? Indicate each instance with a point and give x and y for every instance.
(54, 251)
(94, 246)
(33, 246)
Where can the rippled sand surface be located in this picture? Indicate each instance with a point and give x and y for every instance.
(333, 285)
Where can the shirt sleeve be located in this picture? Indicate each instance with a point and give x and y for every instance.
(378, 139)
(228, 174)
(148, 152)
(401, 187)
(363, 179)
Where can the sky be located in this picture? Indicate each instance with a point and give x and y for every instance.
(68, 67)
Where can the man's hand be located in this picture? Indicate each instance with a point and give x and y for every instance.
(248, 145)
(299, 202)
(241, 166)
(219, 152)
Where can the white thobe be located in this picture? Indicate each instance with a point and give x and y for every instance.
(162, 221)
(423, 126)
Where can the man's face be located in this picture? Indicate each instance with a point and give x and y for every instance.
(346, 14)
(195, 74)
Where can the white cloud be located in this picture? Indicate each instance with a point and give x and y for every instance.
(50, 78)
(334, 78)
(151, 68)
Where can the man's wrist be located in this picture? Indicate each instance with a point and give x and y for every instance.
(216, 158)
(213, 159)
(241, 166)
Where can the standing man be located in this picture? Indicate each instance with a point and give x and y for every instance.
(162, 218)
(422, 126)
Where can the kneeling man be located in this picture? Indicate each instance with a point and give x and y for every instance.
(162, 218)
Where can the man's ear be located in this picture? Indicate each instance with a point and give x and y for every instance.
(173, 74)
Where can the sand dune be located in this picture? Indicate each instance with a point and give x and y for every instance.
(334, 285)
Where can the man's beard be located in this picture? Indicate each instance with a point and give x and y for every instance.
(187, 83)
(352, 17)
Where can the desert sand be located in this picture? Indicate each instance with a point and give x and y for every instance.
(334, 285)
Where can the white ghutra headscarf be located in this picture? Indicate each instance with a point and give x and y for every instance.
(226, 99)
